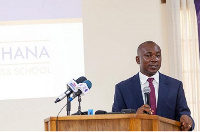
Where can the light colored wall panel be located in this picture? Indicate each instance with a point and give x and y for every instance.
(113, 29)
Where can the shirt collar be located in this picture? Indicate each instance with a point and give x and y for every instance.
(143, 78)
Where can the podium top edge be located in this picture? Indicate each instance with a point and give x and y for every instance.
(113, 116)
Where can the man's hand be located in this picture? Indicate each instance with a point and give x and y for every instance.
(186, 123)
(144, 110)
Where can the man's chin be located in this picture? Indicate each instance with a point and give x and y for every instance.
(152, 72)
(149, 72)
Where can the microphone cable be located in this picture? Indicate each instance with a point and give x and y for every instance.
(57, 117)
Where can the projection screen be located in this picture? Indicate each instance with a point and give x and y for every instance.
(41, 48)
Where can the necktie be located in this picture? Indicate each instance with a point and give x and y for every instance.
(152, 95)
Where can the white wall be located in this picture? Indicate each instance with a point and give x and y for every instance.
(113, 29)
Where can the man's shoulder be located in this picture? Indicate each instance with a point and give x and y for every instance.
(128, 81)
(168, 78)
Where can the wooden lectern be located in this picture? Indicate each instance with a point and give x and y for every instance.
(112, 122)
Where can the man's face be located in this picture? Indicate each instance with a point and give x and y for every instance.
(149, 58)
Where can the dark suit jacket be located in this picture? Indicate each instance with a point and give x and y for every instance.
(171, 103)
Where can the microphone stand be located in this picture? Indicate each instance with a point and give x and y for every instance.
(68, 108)
(79, 105)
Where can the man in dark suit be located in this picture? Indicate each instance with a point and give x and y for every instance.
(167, 95)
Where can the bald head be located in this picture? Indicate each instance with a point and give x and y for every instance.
(149, 58)
(146, 44)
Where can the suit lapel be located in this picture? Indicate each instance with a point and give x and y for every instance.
(162, 94)
(136, 90)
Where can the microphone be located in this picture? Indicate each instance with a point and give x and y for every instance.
(71, 85)
(146, 91)
(82, 89)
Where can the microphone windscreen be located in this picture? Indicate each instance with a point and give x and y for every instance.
(89, 84)
(146, 90)
(81, 79)
(100, 112)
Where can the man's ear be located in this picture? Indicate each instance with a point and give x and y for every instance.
(137, 59)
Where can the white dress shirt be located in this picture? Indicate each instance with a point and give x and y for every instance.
(145, 83)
